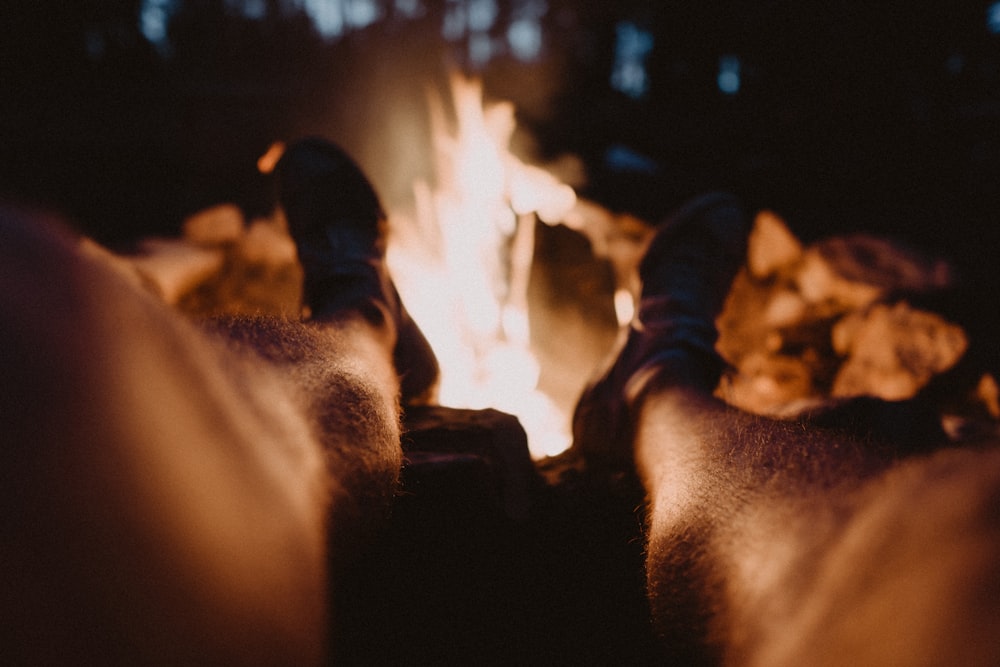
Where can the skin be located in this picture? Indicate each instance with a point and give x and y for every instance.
(171, 494)
(180, 495)
(777, 543)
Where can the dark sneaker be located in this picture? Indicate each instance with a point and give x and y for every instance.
(686, 274)
(339, 229)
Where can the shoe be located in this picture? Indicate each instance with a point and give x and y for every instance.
(339, 229)
(686, 274)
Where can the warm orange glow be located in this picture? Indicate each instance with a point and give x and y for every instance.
(269, 160)
(462, 263)
(624, 306)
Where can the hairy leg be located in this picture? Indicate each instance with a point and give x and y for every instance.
(776, 542)
(166, 496)
(341, 376)
(725, 492)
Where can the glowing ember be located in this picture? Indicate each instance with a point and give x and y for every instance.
(269, 160)
(462, 263)
(624, 306)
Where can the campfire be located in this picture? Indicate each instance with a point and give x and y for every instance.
(804, 326)
(463, 263)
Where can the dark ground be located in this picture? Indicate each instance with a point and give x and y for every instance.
(487, 560)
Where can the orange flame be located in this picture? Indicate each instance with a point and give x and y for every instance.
(462, 263)
(269, 160)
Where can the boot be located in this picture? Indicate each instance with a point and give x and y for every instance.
(339, 229)
(686, 274)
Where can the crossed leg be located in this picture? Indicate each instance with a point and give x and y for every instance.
(776, 542)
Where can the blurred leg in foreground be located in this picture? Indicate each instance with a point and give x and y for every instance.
(173, 494)
(776, 542)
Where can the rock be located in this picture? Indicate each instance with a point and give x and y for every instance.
(821, 281)
(176, 267)
(767, 383)
(786, 307)
(217, 225)
(806, 324)
(893, 351)
(267, 242)
(771, 246)
(988, 394)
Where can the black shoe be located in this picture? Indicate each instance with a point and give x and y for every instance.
(686, 274)
(339, 229)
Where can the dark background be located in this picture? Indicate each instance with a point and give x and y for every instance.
(850, 115)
